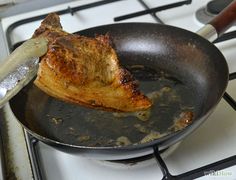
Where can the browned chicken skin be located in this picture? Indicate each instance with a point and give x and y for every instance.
(85, 71)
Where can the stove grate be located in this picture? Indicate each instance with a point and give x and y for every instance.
(199, 172)
(152, 10)
(69, 10)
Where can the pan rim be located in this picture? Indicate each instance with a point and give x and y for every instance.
(155, 142)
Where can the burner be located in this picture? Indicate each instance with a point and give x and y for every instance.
(206, 13)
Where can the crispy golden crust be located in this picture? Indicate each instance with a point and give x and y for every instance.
(86, 71)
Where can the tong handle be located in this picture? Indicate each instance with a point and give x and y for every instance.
(20, 67)
(29, 50)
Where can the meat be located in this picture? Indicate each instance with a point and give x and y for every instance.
(85, 71)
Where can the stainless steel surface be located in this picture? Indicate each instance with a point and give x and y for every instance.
(208, 32)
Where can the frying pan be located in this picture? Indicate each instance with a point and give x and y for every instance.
(185, 71)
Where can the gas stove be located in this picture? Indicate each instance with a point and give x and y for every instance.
(214, 141)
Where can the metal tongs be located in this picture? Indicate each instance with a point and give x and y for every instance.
(20, 67)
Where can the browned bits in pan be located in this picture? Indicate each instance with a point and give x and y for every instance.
(123, 141)
(184, 119)
(83, 138)
(151, 136)
(71, 131)
(141, 128)
(56, 121)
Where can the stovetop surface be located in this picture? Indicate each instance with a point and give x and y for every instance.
(213, 141)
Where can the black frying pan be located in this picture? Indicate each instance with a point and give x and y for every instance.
(189, 73)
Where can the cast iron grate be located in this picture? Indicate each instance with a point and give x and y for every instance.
(196, 173)
(72, 10)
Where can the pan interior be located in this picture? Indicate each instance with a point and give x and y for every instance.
(164, 70)
(82, 126)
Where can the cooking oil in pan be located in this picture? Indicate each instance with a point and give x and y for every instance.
(72, 124)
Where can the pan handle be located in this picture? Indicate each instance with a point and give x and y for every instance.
(220, 23)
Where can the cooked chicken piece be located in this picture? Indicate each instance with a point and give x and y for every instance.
(85, 71)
